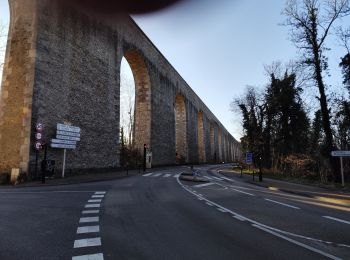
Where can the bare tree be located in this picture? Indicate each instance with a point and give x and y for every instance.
(311, 22)
(127, 104)
(3, 37)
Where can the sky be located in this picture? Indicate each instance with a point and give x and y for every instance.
(221, 46)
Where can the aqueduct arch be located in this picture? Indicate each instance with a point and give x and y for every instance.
(61, 65)
(143, 99)
(180, 129)
(200, 138)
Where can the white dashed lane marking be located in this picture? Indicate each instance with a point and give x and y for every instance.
(148, 174)
(296, 242)
(338, 219)
(156, 175)
(97, 196)
(268, 229)
(92, 205)
(87, 242)
(283, 204)
(88, 229)
(167, 175)
(89, 257)
(90, 216)
(94, 200)
(88, 219)
(95, 211)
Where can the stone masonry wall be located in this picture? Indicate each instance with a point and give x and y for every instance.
(63, 65)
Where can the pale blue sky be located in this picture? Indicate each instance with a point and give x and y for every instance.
(220, 46)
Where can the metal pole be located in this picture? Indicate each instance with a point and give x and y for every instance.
(64, 162)
(144, 157)
(36, 163)
(342, 171)
(44, 165)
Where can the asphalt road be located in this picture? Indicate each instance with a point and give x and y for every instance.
(157, 216)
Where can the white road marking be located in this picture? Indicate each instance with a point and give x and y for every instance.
(247, 193)
(203, 185)
(148, 174)
(239, 218)
(97, 196)
(156, 175)
(91, 211)
(297, 243)
(208, 203)
(88, 219)
(96, 200)
(167, 175)
(258, 223)
(209, 178)
(89, 257)
(228, 179)
(92, 205)
(283, 204)
(337, 219)
(100, 192)
(217, 178)
(96, 241)
(177, 175)
(222, 210)
(88, 229)
(199, 198)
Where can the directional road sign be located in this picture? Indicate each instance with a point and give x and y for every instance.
(249, 158)
(340, 153)
(63, 146)
(68, 128)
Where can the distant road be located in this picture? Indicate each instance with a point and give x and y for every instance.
(156, 216)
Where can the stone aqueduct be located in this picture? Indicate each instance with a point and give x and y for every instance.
(62, 64)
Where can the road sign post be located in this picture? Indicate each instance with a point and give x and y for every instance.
(341, 154)
(38, 145)
(67, 137)
(64, 162)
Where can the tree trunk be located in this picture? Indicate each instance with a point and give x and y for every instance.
(325, 117)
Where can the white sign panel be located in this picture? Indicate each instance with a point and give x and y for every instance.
(64, 146)
(66, 137)
(68, 133)
(340, 153)
(59, 141)
(68, 128)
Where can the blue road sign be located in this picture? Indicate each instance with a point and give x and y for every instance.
(249, 158)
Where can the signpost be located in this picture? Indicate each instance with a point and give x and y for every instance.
(66, 138)
(249, 158)
(38, 145)
(341, 154)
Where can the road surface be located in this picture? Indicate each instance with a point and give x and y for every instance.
(158, 216)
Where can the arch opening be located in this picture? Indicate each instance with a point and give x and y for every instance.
(212, 143)
(127, 104)
(201, 144)
(180, 129)
(135, 107)
(142, 118)
(220, 145)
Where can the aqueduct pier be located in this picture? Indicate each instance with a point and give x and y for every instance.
(62, 64)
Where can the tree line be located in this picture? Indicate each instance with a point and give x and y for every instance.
(277, 125)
